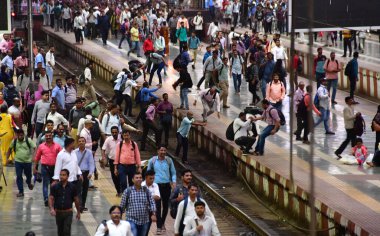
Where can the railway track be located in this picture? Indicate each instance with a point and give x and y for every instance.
(237, 214)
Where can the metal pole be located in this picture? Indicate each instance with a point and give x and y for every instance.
(291, 112)
(30, 40)
(311, 122)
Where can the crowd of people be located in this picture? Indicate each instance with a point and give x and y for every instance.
(54, 133)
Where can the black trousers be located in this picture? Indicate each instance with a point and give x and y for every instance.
(165, 129)
(128, 105)
(199, 34)
(306, 128)
(201, 81)
(29, 109)
(84, 188)
(350, 137)
(235, 15)
(119, 97)
(352, 87)
(347, 44)
(78, 35)
(246, 142)
(150, 125)
(377, 141)
(252, 89)
(173, 38)
(163, 204)
(64, 221)
(299, 126)
(115, 179)
(104, 36)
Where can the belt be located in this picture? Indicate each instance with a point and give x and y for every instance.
(64, 210)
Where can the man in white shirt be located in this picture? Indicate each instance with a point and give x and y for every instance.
(56, 117)
(211, 102)
(111, 119)
(211, 66)
(108, 153)
(67, 159)
(115, 226)
(50, 63)
(186, 210)
(279, 53)
(200, 224)
(154, 190)
(129, 85)
(44, 80)
(242, 128)
(88, 90)
(198, 23)
(236, 11)
(86, 134)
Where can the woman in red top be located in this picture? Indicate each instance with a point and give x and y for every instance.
(148, 48)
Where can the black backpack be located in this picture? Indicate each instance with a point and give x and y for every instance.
(302, 109)
(177, 63)
(348, 69)
(15, 144)
(359, 126)
(230, 134)
(299, 65)
(280, 114)
(10, 93)
(95, 130)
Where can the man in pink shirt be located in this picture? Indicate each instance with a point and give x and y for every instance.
(275, 92)
(127, 159)
(47, 152)
(150, 123)
(19, 63)
(332, 68)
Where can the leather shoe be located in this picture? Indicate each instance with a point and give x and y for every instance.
(329, 132)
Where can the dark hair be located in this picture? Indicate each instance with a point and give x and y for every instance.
(356, 54)
(161, 146)
(153, 100)
(346, 99)
(150, 173)
(66, 170)
(241, 114)
(124, 131)
(309, 88)
(193, 185)
(113, 106)
(114, 127)
(89, 63)
(199, 203)
(4, 109)
(45, 92)
(20, 131)
(357, 140)
(56, 81)
(186, 171)
(30, 233)
(78, 100)
(137, 173)
(112, 208)
(69, 141)
(49, 122)
(88, 110)
(265, 102)
(164, 94)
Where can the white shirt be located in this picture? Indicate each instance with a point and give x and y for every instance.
(198, 22)
(279, 53)
(122, 229)
(45, 82)
(87, 74)
(69, 161)
(125, 15)
(154, 190)
(109, 146)
(190, 213)
(209, 227)
(113, 120)
(78, 22)
(57, 119)
(50, 57)
(129, 84)
(81, 124)
(85, 133)
(208, 98)
(245, 127)
(70, 94)
(66, 13)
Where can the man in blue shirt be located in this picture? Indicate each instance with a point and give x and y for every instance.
(58, 96)
(353, 75)
(183, 134)
(194, 44)
(39, 59)
(166, 179)
(87, 165)
(268, 68)
(8, 62)
(146, 94)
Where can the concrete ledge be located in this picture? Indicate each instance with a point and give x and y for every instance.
(265, 177)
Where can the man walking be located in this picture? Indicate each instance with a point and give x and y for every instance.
(181, 35)
(166, 179)
(62, 196)
(40, 110)
(324, 107)
(298, 98)
(211, 68)
(127, 160)
(319, 63)
(237, 69)
(165, 110)
(139, 206)
(198, 23)
(115, 226)
(50, 63)
(200, 224)
(75, 115)
(135, 40)
(46, 152)
(194, 43)
(24, 150)
(151, 123)
(349, 119)
(332, 68)
(86, 163)
(353, 75)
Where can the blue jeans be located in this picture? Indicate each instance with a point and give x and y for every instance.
(263, 135)
(182, 142)
(49, 72)
(319, 77)
(124, 172)
(184, 98)
(139, 230)
(237, 82)
(264, 88)
(47, 173)
(325, 114)
(334, 84)
(27, 169)
(158, 68)
(135, 47)
(277, 105)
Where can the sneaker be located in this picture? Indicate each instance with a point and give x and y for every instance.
(165, 74)
(330, 133)
(306, 142)
(158, 232)
(120, 48)
(338, 155)
(193, 67)
(30, 186)
(163, 229)
(334, 102)
(46, 203)
(20, 195)
(298, 139)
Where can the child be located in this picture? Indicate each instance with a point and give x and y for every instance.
(360, 151)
